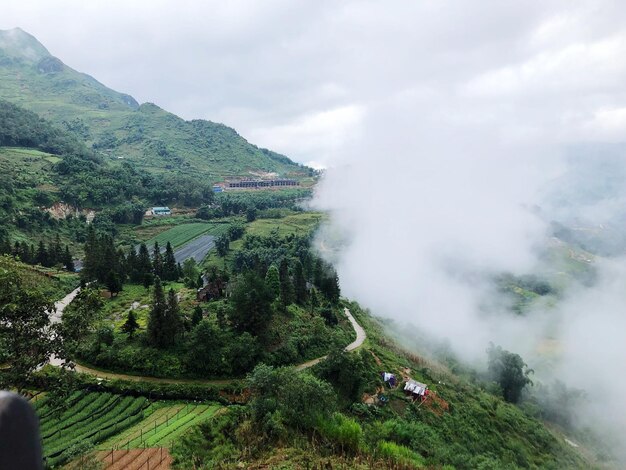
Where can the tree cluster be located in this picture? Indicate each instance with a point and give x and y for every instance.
(51, 255)
(510, 372)
(164, 321)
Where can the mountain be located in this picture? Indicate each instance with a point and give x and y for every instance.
(117, 126)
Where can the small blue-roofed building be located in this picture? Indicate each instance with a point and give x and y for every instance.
(161, 211)
(217, 188)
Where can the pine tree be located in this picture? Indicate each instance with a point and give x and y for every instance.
(68, 261)
(286, 286)
(196, 316)
(114, 283)
(330, 285)
(42, 254)
(55, 252)
(89, 262)
(156, 319)
(299, 283)
(144, 265)
(122, 272)
(172, 322)
(157, 260)
(132, 266)
(131, 325)
(272, 280)
(170, 269)
(314, 300)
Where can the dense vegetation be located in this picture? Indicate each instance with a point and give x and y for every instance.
(317, 418)
(277, 302)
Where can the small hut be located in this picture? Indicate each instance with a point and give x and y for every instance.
(415, 389)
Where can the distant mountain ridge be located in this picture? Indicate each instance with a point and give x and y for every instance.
(114, 124)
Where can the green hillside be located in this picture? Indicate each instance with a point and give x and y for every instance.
(116, 125)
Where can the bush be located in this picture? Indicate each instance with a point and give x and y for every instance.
(398, 454)
(342, 432)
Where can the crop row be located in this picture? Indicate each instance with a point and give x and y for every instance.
(127, 407)
(162, 426)
(184, 233)
(99, 404)
(154, 415)
(94, 421)
(174, 430)
(46, 406)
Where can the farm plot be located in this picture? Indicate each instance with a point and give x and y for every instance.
(196, 249)
(162, 427)
(135, 459)
(89, 417)
(182, 234)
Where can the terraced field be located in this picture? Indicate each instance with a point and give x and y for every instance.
(162, 426)
(89, 417)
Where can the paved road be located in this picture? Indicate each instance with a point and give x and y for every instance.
(360, 338)
(55, 317)
(196, 249)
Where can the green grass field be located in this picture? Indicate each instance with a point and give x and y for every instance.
(299, 223)
(89, 417)
(116, 308)
(53, 283)
(162, 425)
(184, 233)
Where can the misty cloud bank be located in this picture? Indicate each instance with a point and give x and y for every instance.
(453, 181)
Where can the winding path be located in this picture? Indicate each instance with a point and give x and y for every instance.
(360, 338)
(60, 306)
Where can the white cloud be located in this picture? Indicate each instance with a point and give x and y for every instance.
(320, 134)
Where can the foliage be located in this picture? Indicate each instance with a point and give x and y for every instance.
(79, 317)
(509, 371)
(398, 454)
(164, 320)
(300, 398)
(349, 373)
(343, 433)
(251, 301)
(26, 334)
(130, 326)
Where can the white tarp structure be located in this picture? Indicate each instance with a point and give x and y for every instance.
(416, 388)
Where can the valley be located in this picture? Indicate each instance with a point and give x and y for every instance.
(154, 320)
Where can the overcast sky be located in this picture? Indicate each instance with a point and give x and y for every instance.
(300, 77)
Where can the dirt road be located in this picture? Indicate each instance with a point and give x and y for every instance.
(360, 338)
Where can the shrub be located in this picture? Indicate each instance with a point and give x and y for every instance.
(342, 432)
(398, 454)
